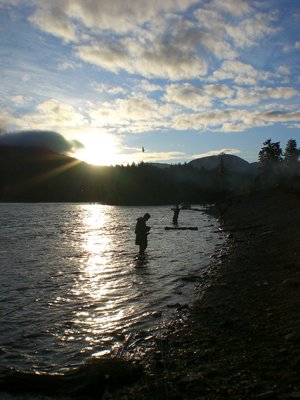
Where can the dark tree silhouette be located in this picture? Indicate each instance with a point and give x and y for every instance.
(270, 155)
(33, 174)
(291, 153)
(276, 170)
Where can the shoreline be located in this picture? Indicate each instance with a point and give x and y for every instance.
(241, 339)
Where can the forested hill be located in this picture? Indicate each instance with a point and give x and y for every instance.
(37, 175)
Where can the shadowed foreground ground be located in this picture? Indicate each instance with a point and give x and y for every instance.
(242, 339)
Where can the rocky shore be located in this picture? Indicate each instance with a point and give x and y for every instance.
(241, 340)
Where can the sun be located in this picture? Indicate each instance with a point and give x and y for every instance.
(99, 149)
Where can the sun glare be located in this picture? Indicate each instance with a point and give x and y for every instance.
(99, 149)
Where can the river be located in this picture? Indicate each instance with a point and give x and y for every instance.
(74, 287)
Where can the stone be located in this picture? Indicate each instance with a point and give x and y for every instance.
(291, 283)
(294, 396)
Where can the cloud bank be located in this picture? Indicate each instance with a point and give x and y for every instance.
(39, 139)
(138, 66)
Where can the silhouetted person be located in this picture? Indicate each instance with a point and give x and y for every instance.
(176, 211)
(221, 207)
(141, 232)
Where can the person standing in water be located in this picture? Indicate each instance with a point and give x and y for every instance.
(176, 211)
(141, 232)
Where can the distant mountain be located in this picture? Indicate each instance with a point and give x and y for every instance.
(231, 163)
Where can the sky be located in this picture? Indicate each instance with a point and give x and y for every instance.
(183, 79)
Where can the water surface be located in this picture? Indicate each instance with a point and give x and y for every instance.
(73, 286)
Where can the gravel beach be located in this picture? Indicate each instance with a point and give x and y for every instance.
(241, 339)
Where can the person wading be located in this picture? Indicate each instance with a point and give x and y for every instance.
(141, 232)
(176, 211)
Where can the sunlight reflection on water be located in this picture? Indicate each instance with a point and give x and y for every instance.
(100, 286)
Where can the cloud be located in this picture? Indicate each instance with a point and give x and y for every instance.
(188, 96)
(148, 86)
(213, 34)
(109, 89)
(119, 16)
(68, 65)
(10, 2)
(41, 139)
(55, 115)
(256, 95)
(153, 38)
(158, 43)
(136, 113)
(283, 70)
(240, 73)
(250, 31)
(281, 116)
(53, 20)
(229, 26)
(5, 120)
(138, 107)
(161, 58)
(17, 100)
(236, 8)
(197, 98)
(105, 54)
(68, 19)
(186, 44)
(233, 120)
(180, 107)
(209, 120)
(168, 60)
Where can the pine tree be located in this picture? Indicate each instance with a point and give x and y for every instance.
(270, 155)
(291, 153)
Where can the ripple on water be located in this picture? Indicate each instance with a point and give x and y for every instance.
(74, 286)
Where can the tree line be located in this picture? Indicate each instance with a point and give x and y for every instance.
(35, 175)
(278, 167)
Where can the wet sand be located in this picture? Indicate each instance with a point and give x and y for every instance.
(241, 340)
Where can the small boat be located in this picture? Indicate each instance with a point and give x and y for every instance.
(181, 228)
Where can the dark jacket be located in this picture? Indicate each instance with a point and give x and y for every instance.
(141, 231)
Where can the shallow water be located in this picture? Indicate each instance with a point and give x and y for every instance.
(73, 286)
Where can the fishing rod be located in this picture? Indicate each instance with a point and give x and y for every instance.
(157, 222)
(164, 216)
(180, 205)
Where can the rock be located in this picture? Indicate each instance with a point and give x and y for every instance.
(291, 283)
(156, 314)
(292, 337)
(294, 396)
(282, 351)
(266, 395)
(190, 380)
